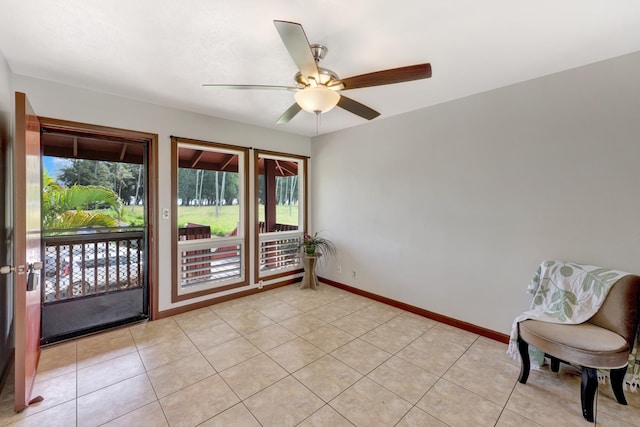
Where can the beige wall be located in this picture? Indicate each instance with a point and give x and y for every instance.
(70, 103)
(451, 208)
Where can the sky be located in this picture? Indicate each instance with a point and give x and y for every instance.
(53, 164)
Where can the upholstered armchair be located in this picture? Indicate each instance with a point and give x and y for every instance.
(602, 342)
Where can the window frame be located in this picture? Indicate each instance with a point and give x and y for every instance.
(302, 212)
(177, 293)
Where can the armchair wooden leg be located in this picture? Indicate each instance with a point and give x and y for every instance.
(617, 379)
(588, 390)
(525, 366)
(555, 364)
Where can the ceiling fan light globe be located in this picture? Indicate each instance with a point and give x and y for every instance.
(317, 99)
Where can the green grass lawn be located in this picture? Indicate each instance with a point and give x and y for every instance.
(226, 221)
(284, 214)
(133, 215)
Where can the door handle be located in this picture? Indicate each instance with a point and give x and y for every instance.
(35, 266)
(33, 278)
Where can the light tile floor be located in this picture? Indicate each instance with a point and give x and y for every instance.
(290, 357)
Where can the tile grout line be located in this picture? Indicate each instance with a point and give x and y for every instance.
(256, 307)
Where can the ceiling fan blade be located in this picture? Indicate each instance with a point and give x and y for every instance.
(296, 42)
(289, 114)
(387, 77)
(357, 108)
(244, 87)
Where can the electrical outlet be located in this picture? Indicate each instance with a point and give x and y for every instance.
(260, 284)
(339, 269)
(353, 274)
(165, 213)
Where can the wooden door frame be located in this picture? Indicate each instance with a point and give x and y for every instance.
(152, 190)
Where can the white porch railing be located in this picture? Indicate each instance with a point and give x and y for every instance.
(279, 252)
(216, 261)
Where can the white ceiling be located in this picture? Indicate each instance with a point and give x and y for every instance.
(162, 51)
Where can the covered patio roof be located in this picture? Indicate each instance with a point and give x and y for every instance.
(76, 145)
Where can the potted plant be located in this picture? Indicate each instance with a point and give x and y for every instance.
(313, 244)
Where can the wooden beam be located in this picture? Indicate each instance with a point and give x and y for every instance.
(196, 158)
(279, 168)
(226, 161)
(270, 195)
(287, 172)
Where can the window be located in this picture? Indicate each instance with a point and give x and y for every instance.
(209, 189)
(281, 213)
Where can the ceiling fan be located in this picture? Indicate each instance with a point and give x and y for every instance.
(317, 87)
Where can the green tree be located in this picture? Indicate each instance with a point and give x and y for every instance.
(85, 172)
(74, 207)
(186, 185)
(201, 185)
(123, 178)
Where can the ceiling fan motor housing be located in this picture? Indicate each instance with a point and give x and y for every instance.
(327, 78)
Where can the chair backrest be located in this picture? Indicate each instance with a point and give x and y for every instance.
(619, 312)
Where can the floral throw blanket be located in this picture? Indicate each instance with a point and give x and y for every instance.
(564, 292)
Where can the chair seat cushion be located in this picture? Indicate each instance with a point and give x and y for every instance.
(584, 344)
